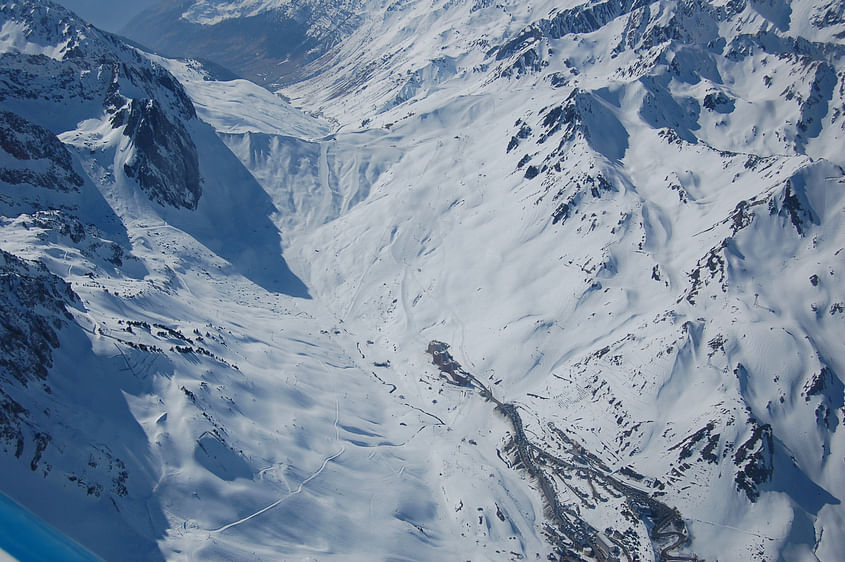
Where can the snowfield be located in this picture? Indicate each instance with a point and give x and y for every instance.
(623, 219)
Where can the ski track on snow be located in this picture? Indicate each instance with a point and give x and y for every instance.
(301, 486)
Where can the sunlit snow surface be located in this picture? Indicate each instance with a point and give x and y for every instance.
(254, 424)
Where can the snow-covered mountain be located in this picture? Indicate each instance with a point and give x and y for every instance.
(266, 41)
(565, 281)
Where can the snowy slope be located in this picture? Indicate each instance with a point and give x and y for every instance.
(630, 214)
(623, 218)
(186, 398)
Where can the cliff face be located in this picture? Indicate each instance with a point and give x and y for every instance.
(58, 71)
(164, 156)
(33, 312)
(34, 156)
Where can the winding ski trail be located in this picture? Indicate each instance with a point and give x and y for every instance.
(299, 488)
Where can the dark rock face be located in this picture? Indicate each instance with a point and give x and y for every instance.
(719, 102)
(705, 441)
(41, 79)
(521, 52)
(828, 13)
(165, 162)
(792, 203)
(38, 158)
(90, 68)
(523, 133)
(753, 460)
(11, 414)
(32, 310)
(827, 391)
(581, 113)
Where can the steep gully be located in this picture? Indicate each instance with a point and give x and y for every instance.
(567, 531)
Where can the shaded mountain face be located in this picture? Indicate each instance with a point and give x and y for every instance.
(107, 14)
(95, 138)
(266, 42)
(58, 69)
(24, 142)
(575, 272)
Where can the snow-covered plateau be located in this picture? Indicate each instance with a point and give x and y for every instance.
(459, 280)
